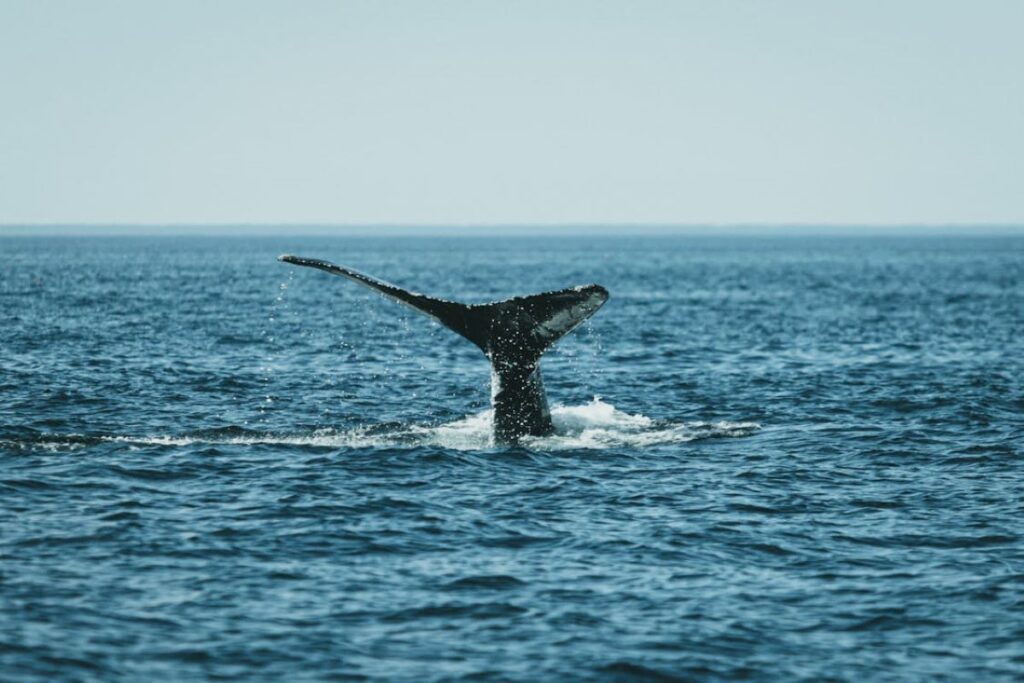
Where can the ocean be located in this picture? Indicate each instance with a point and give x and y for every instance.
(778, 457)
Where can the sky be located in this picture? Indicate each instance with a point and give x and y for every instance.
(511, 112)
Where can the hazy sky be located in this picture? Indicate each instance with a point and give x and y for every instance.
(512, 112)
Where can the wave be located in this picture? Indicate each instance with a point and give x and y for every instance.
(593, 425)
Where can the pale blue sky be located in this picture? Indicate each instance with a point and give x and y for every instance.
(512, 112)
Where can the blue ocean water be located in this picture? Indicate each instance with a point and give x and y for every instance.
(778, 458)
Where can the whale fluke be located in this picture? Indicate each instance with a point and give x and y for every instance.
(513, 333)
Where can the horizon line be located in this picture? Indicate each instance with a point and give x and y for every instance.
(481, 229)
(511, 224)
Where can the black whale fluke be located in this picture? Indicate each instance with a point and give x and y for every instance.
(513, 333)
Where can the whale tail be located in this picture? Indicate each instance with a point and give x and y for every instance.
(511, 332)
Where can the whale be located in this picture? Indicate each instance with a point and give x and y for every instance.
(513, 334)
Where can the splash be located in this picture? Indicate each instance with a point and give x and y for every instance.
(594, 425)
(601, 425)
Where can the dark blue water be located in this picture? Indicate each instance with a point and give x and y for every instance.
(787, 458)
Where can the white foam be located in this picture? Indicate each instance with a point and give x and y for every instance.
(593, 425)
(601, 425)
(327, 438)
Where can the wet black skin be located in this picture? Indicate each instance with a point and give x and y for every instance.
(513, 334)
(517, 390)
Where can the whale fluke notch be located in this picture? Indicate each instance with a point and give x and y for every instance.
(513, 333)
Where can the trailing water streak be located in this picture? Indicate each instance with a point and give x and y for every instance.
(594, 425)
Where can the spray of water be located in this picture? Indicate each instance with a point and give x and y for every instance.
(591, 426)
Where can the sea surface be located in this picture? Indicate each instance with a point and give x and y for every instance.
(778, 457)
